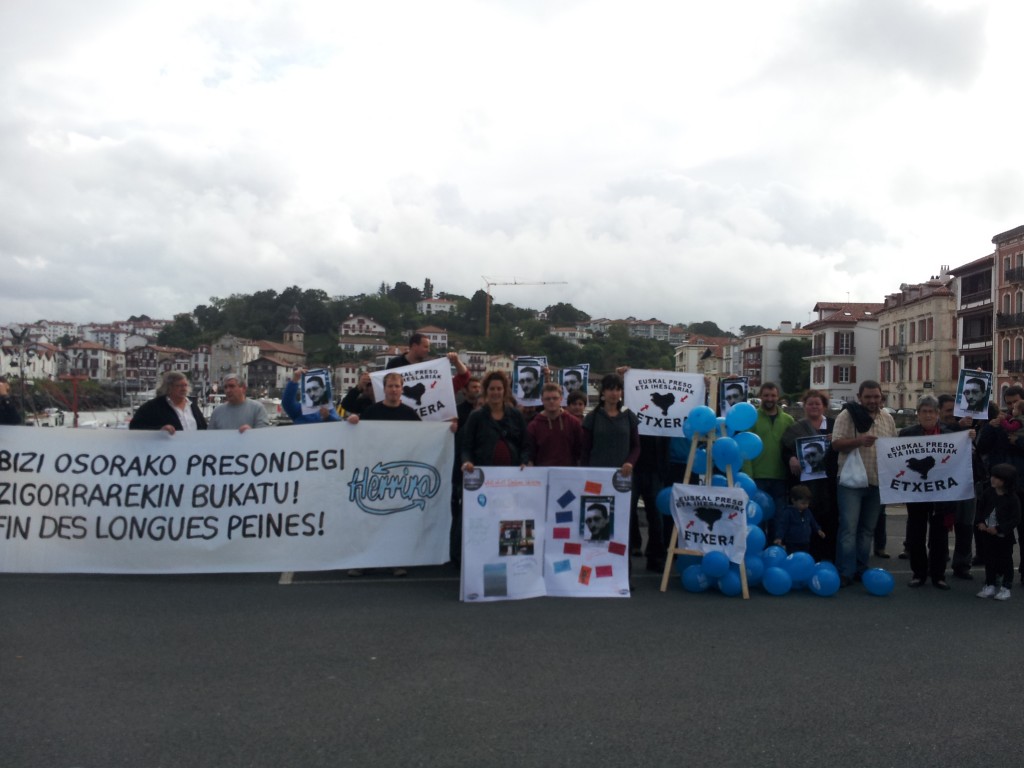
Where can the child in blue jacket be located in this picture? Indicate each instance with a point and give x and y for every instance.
(795, 524)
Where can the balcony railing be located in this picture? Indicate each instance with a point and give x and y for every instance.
(977, 296)
(897, 350)
(1014, 320)
(833, 350)
(1014, 366)
(1014, 275)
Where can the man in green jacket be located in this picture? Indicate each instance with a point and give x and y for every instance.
(768, 469)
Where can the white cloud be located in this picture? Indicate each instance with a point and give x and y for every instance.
(735, 162)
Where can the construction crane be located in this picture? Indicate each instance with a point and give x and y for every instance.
(513, 281)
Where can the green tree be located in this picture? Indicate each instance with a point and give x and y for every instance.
(795, 375)
(565, 314)
(182, 332)
(706, 328)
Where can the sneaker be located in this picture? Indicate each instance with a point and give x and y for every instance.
(399, 572)
(987, 591)
(882, 554)
(1003, 594)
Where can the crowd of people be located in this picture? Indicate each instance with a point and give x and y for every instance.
(799, 467)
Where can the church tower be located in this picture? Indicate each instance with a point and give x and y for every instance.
(293, 333)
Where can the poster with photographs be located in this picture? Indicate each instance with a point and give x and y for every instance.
(316, 390)
(587, 548)
(426, 388)
(973, 392)
(661, 400)
(503, 528)
(730, 392)
(528, 379)
(711, 519)
(811, 452)
(575, 378)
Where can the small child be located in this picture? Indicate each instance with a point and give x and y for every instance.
(795, 524)
(998, 516)
(1014, 421)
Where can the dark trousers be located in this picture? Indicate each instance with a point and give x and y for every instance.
(998, 554)
(646, 486)
(925, 522)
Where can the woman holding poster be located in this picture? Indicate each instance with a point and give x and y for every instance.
(610, 433)
(816, 424)
(495, 435)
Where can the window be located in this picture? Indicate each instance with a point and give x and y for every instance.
(1006, 303)
(931, 328)
(913, 332)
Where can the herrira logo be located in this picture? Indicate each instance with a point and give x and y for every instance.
(397, 486)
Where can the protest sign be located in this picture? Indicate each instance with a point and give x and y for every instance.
(317, 497)
(534, 532)
(925, 468)
(662, 399)
(711, 519)
(426, 388)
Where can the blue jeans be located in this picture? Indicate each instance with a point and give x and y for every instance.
(858, 515)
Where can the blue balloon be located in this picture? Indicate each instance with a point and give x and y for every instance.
(725, 452)
(689, 429)
(755, 540)
(695, 580)
(664, 501)
(774, 557)
(715, 564)
(703, 419)
(878, 581)
(741, 416)
(775, 580)
(825, 565)
(685, 561)
(746, 482)
(750, 445)
(720, 481)
(755, 569)
(730, 584)
(800, 566)
(767, 504)
(754, 513)
(824, 582)
(720, 427)
(700, 462)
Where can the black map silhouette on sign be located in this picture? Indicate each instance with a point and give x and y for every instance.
(663, 401)
(415, 392)
(708, 515)
(921, 466)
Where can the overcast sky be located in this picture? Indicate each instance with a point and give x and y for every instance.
(685, 160)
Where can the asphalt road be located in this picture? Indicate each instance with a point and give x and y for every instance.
(230, 670)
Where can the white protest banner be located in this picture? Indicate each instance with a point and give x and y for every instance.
(711, 519)
(662, 399)
(503, 534)
(586, 553)
(925, 468)
(302, 498)
(426, 388)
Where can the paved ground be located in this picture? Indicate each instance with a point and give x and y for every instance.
(231, 670)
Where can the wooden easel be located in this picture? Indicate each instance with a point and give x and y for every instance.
(673, 550)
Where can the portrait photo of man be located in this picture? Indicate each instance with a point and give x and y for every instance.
(811, 454)
(973, 393)
(572, 380)
(597, 522)
(731, 391)
(315, 390)
(529, 383)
